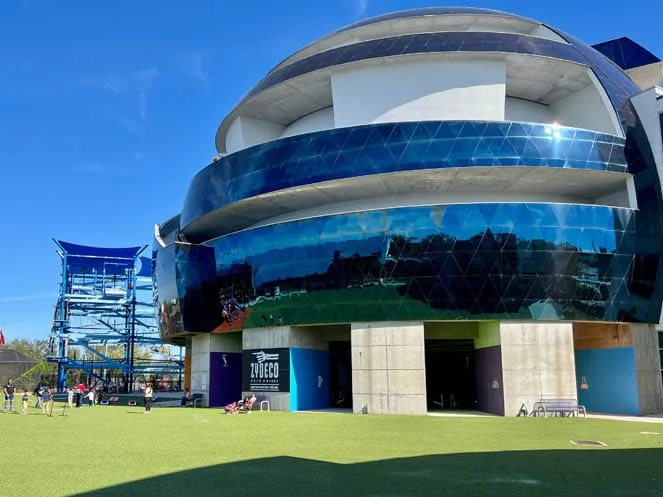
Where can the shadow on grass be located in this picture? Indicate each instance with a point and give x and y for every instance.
(574, 472)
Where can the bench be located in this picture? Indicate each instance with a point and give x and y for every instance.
(562, 407)
(196, 400)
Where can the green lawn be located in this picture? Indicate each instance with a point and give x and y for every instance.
(119, 451)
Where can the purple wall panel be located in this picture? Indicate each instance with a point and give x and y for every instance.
(488, 364)
(225, 378)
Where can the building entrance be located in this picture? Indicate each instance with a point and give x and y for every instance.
(340, 375)
(450, 374)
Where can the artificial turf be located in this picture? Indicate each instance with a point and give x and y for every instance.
(119, 451)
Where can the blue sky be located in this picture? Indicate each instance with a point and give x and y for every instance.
(108, 109)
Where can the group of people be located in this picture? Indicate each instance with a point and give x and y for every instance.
(94, 396)
(245, 405)
(44, 398)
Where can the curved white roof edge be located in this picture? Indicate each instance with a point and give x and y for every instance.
(424, 23)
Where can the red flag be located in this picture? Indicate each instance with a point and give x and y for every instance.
(2, 337)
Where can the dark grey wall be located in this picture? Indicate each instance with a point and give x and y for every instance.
(488, 363)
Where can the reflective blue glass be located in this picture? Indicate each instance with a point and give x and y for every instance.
(381, 148)
(166, 293)
(648, 284)
(475, 261)
(185, 270)
(421, 43)
(626, 53)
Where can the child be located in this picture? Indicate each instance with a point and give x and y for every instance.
(45, 401)
(231, 408)
(26, 398)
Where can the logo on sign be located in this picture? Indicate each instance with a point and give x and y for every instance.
(265, 369)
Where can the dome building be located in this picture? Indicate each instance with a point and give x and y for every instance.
(437, 208)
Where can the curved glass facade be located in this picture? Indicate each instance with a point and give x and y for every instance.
(473, 261)
(520, 261)
(387, 148)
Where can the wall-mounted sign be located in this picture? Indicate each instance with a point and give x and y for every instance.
(266, 370)
(583, 383)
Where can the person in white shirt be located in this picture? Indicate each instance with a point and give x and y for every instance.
(148, 392)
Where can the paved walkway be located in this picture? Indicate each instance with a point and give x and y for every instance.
(655, 418)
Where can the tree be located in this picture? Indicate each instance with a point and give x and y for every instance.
(38, 351)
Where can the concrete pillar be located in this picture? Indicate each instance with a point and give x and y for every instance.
(537, 361)
(307, 365)
(648, 368)
(216, 367)
(388, 368)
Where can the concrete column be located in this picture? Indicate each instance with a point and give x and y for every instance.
(216, 367)
(308, 367)
(537, 361)
(388, 368)
(268, 338)
(648, 368)
(200, 354)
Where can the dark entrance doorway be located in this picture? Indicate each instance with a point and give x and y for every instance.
(340, 375)
(450, 374)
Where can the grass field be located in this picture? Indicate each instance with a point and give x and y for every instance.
(119, 451)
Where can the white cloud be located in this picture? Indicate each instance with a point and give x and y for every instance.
(196, 62)
(142, 108)
(26, 298)
(100, 169)
(362, 8)
(133, 82)
(192, 65)
(136, 84)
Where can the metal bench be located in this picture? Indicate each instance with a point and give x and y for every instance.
(197, 400)
(560, 407)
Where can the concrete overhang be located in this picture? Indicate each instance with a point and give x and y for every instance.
(529, 77)
(471, 184)
(647, 76)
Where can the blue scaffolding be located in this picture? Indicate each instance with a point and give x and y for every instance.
(105, 300)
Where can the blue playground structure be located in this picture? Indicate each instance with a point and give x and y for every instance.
(105, 301)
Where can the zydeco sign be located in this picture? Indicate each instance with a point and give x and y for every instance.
(266, 370)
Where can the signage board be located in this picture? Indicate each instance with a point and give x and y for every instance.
(266, 370)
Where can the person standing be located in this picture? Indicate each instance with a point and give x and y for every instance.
(46, 400)
(148, 392)
(79, 395)
(26, 399)
(70, 397)
(9, 395)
